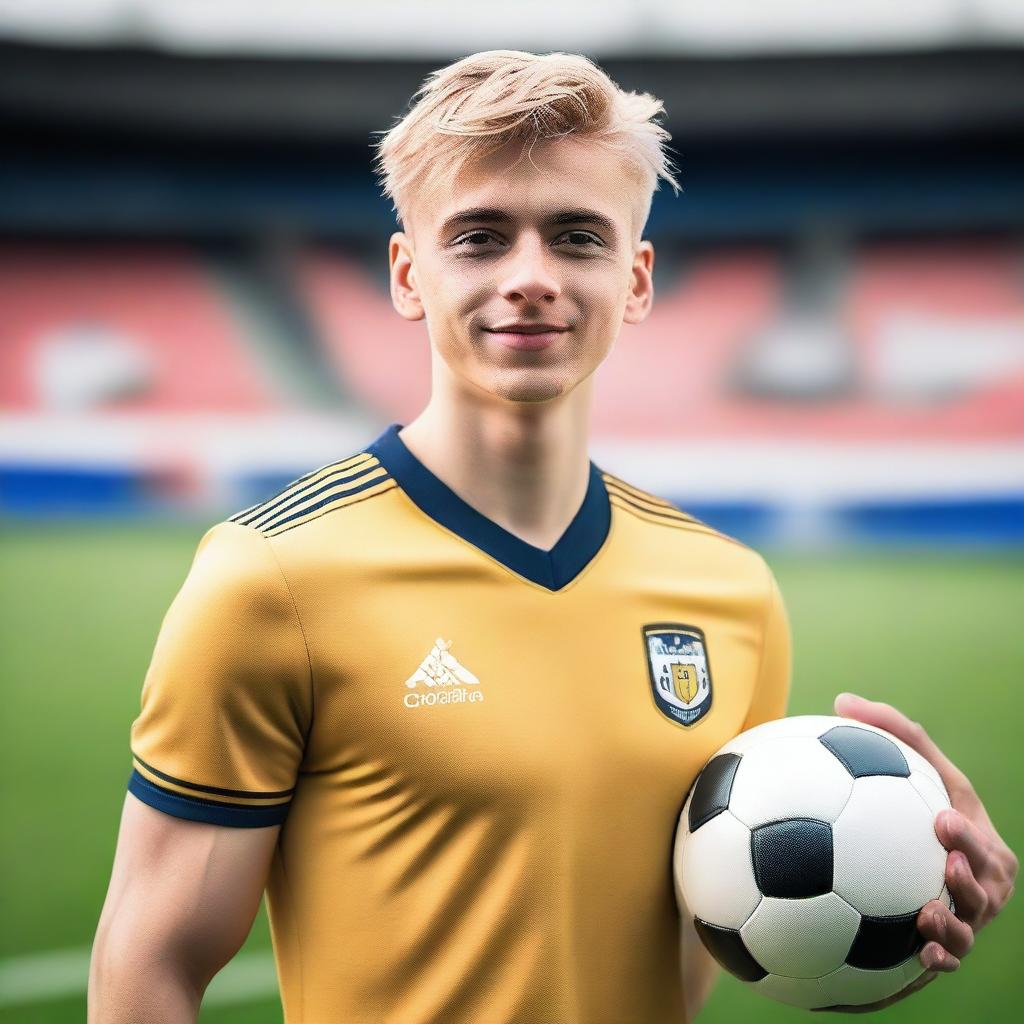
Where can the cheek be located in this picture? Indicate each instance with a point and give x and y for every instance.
(439, 295)
(457, 276)
(605, 302)
(455, 296)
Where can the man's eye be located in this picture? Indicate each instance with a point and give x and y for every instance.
(475, 238)
(581, 238)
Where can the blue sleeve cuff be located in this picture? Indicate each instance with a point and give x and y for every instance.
(212, 811)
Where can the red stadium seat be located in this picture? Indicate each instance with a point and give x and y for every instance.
(150, 303)
(382, 358)
(664, 376)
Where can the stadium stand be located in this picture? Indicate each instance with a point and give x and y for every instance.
(929, 335)
(940, 333)
(380, 357)
(136, 327)
(666, 376)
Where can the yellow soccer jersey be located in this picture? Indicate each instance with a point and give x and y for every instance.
(477, 749)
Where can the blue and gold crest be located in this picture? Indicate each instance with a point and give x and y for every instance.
(677, 661)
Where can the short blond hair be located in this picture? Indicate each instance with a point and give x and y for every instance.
(483, 102)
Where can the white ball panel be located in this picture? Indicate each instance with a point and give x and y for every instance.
(803, 992)
(715, 872)
(682, 831)
(853, 986)
(801, 938)
(920, 764)
(798, 725)
(932, 795)
(888, 860)
(789, 778)
(741, 742)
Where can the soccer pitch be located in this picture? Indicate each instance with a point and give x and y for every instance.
(936, 634)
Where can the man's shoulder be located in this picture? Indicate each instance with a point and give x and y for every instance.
(317, 494)
(671, 524)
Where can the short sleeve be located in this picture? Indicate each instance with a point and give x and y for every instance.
(771, 692)
(227, 701)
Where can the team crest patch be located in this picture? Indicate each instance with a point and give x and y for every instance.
(677, 661)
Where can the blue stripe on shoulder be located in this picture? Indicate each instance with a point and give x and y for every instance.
(210, 811)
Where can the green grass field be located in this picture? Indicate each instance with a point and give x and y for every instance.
(938, 635)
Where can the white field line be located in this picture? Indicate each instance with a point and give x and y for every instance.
(44, 977)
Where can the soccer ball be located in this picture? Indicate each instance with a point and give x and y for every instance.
(805, 851)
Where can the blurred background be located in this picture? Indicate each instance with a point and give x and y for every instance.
(194, 310)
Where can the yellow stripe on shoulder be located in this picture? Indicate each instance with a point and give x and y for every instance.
(644, 499)
(320, 491)
(649, 516)
(345, 467)
(330, 504)
(678, 523)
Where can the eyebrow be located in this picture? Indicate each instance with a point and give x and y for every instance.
(492, 215)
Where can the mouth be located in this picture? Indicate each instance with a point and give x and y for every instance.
(528, 337)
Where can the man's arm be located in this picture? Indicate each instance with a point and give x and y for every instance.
(700, 971)
(182, 898)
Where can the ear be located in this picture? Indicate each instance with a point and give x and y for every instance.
(405, 295)
(641, 285)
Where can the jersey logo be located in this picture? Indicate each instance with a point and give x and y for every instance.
(680, 673)
(440, 669)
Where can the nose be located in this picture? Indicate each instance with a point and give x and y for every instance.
(528, 275)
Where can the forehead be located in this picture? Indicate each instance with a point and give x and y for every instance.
(530, 183)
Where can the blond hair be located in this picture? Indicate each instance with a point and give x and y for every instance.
(487, 100)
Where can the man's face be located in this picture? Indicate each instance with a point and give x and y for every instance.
(518, 244)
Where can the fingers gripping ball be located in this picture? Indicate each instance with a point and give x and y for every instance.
(804, 853)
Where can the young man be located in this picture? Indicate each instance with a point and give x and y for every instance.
(446, 696)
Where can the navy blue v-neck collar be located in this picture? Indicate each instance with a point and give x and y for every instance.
(552, 569)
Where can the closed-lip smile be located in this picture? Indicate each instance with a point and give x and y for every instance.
(525, 328)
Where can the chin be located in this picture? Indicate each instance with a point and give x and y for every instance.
(528, 386)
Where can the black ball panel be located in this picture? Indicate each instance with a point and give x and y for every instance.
(793, 858)
(885, 942)
(714, 786)
(726, 946)
(862, 752)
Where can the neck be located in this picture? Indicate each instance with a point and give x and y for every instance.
(522, 465)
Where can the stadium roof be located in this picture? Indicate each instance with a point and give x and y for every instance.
(412, 28)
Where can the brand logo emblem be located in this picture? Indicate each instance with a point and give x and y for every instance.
(441, 679)
(680, 673)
